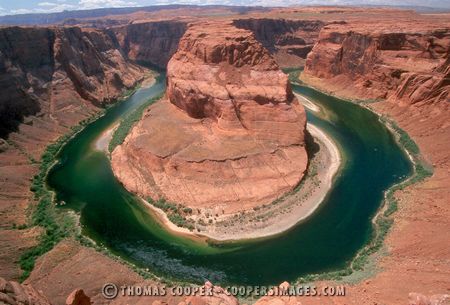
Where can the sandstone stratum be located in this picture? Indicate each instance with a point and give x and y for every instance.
(229, 134)
(377, 61)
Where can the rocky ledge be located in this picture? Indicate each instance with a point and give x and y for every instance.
(228, 135)
(405, 64)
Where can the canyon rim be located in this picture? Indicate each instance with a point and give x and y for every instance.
(233, 131)
(228, 121)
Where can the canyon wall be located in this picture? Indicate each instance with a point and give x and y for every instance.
(228, 128)
(46, 70)
(405, 67)
(51, 79)
(374, 61)
(151, 43)
(415, 100)
(289, 41)
(154, 43)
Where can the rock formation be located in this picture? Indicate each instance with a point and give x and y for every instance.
(13, 293)
(407, 62)
(382, 62)
(151, 43)
(47, 70)
(419, 263)
(51, 79)
(78, 297)
(154, 43)
(289, 41)
(228, 134)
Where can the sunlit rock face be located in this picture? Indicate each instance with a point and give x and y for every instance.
(229, 133)
(406, 65)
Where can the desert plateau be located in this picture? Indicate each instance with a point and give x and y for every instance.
(224, 153)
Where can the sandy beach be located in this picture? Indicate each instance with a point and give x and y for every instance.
(307, 103)
(102, 142)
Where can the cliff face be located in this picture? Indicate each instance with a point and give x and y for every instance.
(289, 41)
(150, 42)
(43, 70)
(14, 293)
(50, 79)
(154, 43)
(25, 66)
(407, 66)
(229, 134)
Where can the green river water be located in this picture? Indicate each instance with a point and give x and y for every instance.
(326, 241)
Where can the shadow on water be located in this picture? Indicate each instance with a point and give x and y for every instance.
(326, 241)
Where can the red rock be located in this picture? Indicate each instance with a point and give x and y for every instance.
(77, 297)
(13, 293)
(229, 133)
(289, 41)
(151, 42)
(53, 70)
(378, 60)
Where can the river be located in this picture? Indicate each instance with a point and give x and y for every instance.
(326, 241)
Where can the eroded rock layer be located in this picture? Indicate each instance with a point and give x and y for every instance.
(382, 61)
(150, 42)
(289, 41)
(229, 133)
(48, 70)
(50, 79)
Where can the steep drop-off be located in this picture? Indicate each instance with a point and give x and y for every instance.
(405, 66)
(154, 43)
(229, 134)
(151, 43)
(289, 41)
(51, 79)
(381, 62)
(48, 70)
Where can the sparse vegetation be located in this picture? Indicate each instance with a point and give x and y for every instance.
(383, 221)
(55, 226)
(176, 213)
(128, 122)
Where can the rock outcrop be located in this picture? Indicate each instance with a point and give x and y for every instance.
(289, 41)
(51, 79)
(229, 134)
(78, 297)
(151, 43)
(13, 293)
(46, 70)
(406, 62)
(378, 61)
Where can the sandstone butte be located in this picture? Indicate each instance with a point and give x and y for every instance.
(229, 134)
(418, 263)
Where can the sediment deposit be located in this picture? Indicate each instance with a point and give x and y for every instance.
(418, 263)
